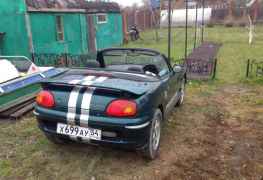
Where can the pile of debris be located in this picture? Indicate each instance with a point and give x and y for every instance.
(201, 63)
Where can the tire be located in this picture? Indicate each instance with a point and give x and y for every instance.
(151, 150)
(182, 94)
(56, 139)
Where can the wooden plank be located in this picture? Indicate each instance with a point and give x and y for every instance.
(23, 110)
(91, 33)
(8, 113)
(18, 103)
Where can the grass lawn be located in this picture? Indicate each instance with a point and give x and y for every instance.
(232, 56)
(217, 134)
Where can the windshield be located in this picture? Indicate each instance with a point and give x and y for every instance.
(12, 67)
(136, 61)
(121, 57)
(22, 64)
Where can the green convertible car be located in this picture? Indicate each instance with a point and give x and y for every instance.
(121, 100)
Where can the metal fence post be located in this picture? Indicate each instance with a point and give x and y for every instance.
(215, 68)
(169, 28)
(248, 67)
(66, 60)
(203, 19)
(196, 16)
(33, 57)
(186, 30)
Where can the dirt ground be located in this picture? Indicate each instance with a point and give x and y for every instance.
(216, 134)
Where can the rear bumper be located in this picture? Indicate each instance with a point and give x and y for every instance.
(127, 135)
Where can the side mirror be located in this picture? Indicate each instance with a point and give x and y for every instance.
(177, 69)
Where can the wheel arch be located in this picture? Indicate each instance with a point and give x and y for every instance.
(161, 107)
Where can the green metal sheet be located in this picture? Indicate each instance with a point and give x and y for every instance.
(44, 32)
(14, 97)
(109, 34)
(12, 6)
(15, 41)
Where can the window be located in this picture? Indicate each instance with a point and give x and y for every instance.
(162, 65)
(60, 28)
(101, 18)
(135, 58)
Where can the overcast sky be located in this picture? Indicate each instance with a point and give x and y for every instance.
(128, 2)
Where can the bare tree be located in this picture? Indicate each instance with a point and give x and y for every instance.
(147, 4)
(252, 8)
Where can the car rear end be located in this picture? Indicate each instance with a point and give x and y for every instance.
(94, 109)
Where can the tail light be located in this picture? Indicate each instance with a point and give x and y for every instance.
(122, 108)
(45, 99)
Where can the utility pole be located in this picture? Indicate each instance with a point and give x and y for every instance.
(186, 29)
(203, 20)
(169, 28)
(196, 18)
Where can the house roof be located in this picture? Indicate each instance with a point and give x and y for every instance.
(71, 6)
(55, 4)
(93, 7)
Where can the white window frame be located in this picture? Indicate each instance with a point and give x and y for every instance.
(102, 22)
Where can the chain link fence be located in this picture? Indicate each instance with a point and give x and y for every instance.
(63, 60)
(254, 68)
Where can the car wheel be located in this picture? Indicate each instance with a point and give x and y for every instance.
(56, 139)
(151, 150)
(182, 94)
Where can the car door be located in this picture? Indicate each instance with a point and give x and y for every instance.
(170, 83)
(173, 89)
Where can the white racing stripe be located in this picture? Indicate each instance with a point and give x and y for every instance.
(87, 81)
(89, 78)
(101, 79)
(86, 100)
(92, 79)
(75, 82)
(72, 104)
(85, 107)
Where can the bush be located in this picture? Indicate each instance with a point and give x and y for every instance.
(242, 24)
(210, 25)
(229, 24)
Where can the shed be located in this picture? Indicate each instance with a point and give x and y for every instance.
(105, 22)
(55, 27)
(103, 19)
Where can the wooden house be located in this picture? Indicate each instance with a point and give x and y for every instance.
(53, 27)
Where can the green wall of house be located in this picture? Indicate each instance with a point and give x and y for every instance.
(12, 22)
(44, 33)
(109, 34)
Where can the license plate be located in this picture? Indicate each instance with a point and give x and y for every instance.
(76, 131)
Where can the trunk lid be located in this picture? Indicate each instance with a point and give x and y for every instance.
(78, 92)
(136, 84)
